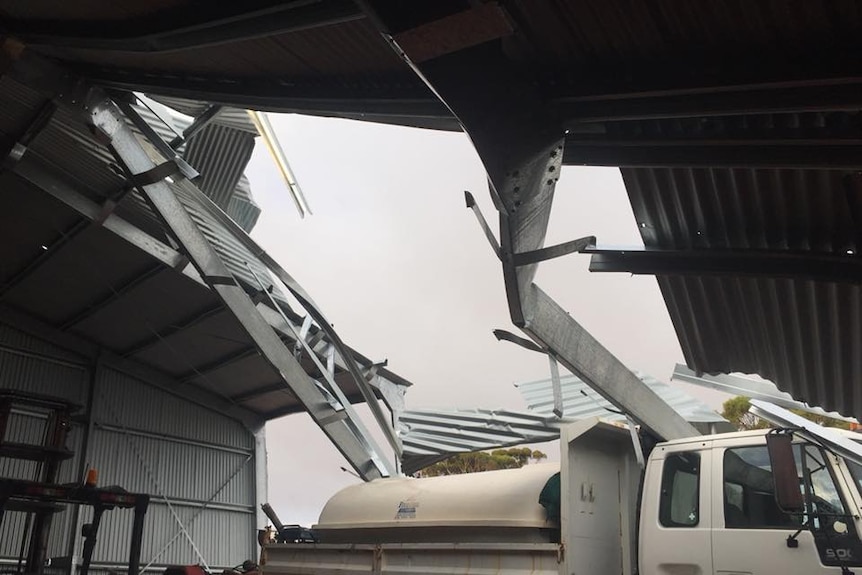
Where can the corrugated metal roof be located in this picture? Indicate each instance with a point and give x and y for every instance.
(576, 41)
(229, 117)
(430, 434)
(341, 50)
(801, 210)
(242, 207)
(753, 388)
(425, 432)
(220, 154)
(116, 295)
(581, 402)
(804, 335)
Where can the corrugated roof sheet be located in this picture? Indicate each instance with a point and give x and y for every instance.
(581, 402)
(235, 118)
(753, 388)
(220, 154)
(431, 434)
(573, 40)
(242, 207)
(341, 50)
(804, 335)
(114, 294)
(801, 210)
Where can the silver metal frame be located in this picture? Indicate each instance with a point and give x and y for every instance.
(41, 174)
(348, 435)
(524, 196)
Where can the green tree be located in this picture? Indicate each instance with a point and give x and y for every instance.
(511, 458)
(736, 411)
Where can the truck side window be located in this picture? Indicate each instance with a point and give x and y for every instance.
(749, 494)
(680, 490)
(824, 494)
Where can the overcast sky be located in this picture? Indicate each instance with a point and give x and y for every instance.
(401, 267)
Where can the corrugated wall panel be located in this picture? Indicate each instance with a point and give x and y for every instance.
(14, 525)
(144, 440)
(28, 373)
(13, 338)
(128, 402)
(183, 471)
(148, 441)
(26, 364)
(223, 538)
(29, 428)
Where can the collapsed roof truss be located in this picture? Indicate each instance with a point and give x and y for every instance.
(310, 361)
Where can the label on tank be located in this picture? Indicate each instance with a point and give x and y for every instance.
(407, 510)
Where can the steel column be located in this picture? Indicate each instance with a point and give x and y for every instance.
(521, 143)
(261, 485)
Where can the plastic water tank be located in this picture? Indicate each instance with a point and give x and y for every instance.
(488, 506)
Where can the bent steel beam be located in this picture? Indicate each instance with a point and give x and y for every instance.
(47, 178)
(521, 144)
(348, 435)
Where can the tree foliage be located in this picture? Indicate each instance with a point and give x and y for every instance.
(511, 458)
(736, 411)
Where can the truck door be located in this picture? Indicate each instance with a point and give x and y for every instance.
(675, 523)
(752, 535)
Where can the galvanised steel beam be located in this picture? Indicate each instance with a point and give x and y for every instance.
(346, 355)
(718, 262)
(44, 176)
(204, 119)
(521, 143)
(348, 435)
(48, 179)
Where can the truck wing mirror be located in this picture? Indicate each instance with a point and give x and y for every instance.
(787, 492)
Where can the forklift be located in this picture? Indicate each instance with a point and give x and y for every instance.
(41, 497)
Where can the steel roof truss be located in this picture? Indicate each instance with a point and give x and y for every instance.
(348, 434)
(39, 173)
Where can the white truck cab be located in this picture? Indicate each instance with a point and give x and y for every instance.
(710, 506)
(759, 502)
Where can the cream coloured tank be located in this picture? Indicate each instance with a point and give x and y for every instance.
(488, 506)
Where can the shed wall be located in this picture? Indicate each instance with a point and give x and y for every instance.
(198, 466)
